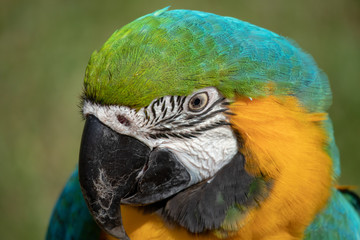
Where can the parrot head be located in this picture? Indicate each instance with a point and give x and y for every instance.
(202, 119)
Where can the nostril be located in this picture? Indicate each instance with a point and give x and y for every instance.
(123, 120)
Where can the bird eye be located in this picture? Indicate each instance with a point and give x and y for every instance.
(198, 102)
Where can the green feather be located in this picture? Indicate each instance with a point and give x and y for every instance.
(177, 52)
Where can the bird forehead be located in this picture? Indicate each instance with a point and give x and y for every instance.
(177, 52)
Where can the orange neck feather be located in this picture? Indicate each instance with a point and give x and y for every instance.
(282, 142)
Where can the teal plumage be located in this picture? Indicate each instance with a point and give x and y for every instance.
(71, 219)
(175, 52)
(171, 52)
(337, 221)
(351, 197)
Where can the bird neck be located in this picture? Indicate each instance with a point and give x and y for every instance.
(284, 143)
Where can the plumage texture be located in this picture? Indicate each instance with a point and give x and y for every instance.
(280, 98)
(339, 214)
(283, 142)
(179, 51)
(71, 219)
(176, 52)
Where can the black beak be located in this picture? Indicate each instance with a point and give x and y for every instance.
(115, 169)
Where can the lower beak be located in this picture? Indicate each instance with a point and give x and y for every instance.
(115, 169)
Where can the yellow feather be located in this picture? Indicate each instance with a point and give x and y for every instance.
(286, 144)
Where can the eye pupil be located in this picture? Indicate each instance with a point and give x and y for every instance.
(197, 102)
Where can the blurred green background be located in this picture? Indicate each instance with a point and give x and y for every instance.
(44, 49)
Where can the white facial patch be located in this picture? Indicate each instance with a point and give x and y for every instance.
(206, 154)
(203, 141)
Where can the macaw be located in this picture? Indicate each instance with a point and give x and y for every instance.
(199, 126)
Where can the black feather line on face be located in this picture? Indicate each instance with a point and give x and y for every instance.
(172, 103)
(163, 106)
(194, 133)
(164, 114)
(153, 120)
(212, 114)
(181, 108)
(194, 120)
(146, 115)
(207, 110)
(204, 206)
(153, 111)
(178, 99)
(167, 120)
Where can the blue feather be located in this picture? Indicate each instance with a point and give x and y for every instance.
(71, 219)
(338, 221)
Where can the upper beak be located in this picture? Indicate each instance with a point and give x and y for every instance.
(116, 168)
